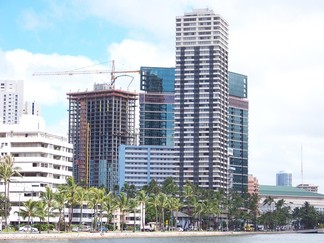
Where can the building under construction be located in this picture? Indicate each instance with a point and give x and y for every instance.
(99, 121)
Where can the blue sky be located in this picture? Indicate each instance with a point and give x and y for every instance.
(277, 44)
(36, 27)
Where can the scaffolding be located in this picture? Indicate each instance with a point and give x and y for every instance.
(100, 121)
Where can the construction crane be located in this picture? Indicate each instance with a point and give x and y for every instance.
(112, 72)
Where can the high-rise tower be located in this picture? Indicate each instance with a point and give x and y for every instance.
(238, 132)
(201, 99)
(284, 178)
(99, 121)
(11, 101)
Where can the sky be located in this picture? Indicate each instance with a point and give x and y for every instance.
(277, 44)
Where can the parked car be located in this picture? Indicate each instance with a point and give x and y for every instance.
(75, 229)
(28, 228)
(85, 228)
(148, 228)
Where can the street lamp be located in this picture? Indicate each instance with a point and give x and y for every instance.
(19, 212)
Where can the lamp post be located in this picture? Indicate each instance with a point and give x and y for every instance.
(19, 212)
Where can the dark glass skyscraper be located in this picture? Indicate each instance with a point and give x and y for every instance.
(156, 106)
(238, 130)
(201, 99)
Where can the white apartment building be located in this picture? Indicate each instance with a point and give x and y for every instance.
(138, 165)
(44, 160)
(11, 101)
(201, 99)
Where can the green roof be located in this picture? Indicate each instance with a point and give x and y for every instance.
(266, 190)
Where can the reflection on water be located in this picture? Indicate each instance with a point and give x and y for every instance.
(262, 238)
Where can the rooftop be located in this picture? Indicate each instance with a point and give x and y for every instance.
(286, 191)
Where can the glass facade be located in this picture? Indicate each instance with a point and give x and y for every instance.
(156, 106)
(157, 79)
(238, 130)
(237, 85)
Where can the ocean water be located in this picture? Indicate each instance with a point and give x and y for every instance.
(257, 238)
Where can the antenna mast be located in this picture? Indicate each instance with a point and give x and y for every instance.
(302, 167)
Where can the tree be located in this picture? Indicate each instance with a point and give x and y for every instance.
(49, 200)
(169, 187)
(122, 202)
(174, 205)
(152, 188)
(60, 199)
(30, 210)
(235, 210)
(129, 190)
(95, 199)
(308, 216)
(132, 205)
(253, 207)
(109, 205)
(268, 201)
(7, 171)
(70, 189)
(142, 199)
(82, 196)
(153, 202)
(162, 204)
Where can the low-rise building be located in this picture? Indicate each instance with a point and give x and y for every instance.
(43, 159)
(292, 196)
(308, 187)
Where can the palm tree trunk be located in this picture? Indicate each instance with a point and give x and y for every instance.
(6, 205)
(156, 216)
(48, 220)
(142, 216)
(81, 214)
(163, 219)
(134, 220)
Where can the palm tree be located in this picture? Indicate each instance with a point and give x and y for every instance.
(163, 203)
(268, 201)
(188, 196)
(49, 200)
(7, 171)
(95, 198)
(152, 187)
(60, 199)
(142, 199)
(198, 208)
(132, 205)
(41, 209)
(30, 211)
(174, 206)
(70, 189)
(82, 196)
(109, 205)
(122, 202)
(153, 201)
(169, 187)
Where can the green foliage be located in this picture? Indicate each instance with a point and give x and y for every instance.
(306, 217)
(44, 227)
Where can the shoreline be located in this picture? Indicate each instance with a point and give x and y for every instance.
(125, 234)
(98, 235)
